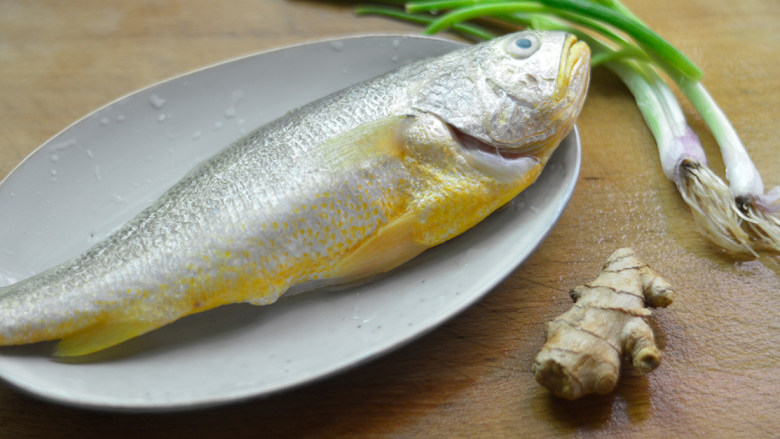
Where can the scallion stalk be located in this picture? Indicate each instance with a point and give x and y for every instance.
(666, 55)
(682, 157)
(756, 210)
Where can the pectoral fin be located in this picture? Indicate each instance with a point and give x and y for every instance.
(391, 246)
(368, 142)
(101, 336)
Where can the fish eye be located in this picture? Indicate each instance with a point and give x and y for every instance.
(523, 46)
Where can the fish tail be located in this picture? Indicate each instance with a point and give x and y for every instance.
(30, 312)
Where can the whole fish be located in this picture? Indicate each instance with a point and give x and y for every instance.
(349, 186)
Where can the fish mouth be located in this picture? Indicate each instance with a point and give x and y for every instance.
(575, 60)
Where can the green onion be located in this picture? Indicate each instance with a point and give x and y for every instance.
(682, 156)
(667, 56)
(738, 217)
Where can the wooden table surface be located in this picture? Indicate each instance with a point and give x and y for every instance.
(720, 376)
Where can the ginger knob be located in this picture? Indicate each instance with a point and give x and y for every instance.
(584, 346)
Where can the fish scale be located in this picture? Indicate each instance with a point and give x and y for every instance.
(341, 189)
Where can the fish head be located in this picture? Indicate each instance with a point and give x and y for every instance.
(514, 96)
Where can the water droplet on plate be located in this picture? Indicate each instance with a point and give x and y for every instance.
(156, 101)
(338, 46)
(235, 99)
(62, 146)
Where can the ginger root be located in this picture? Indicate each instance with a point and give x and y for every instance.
(585, 344)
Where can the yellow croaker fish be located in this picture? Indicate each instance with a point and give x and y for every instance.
(341, 189)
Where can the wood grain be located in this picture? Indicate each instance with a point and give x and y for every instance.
(720, 376)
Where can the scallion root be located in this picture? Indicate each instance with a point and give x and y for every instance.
(760, 219)
(761, 223)
(714, 210)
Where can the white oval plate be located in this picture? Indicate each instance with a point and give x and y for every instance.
(96, 174)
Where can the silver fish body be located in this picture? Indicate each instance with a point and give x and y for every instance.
(346, 187)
